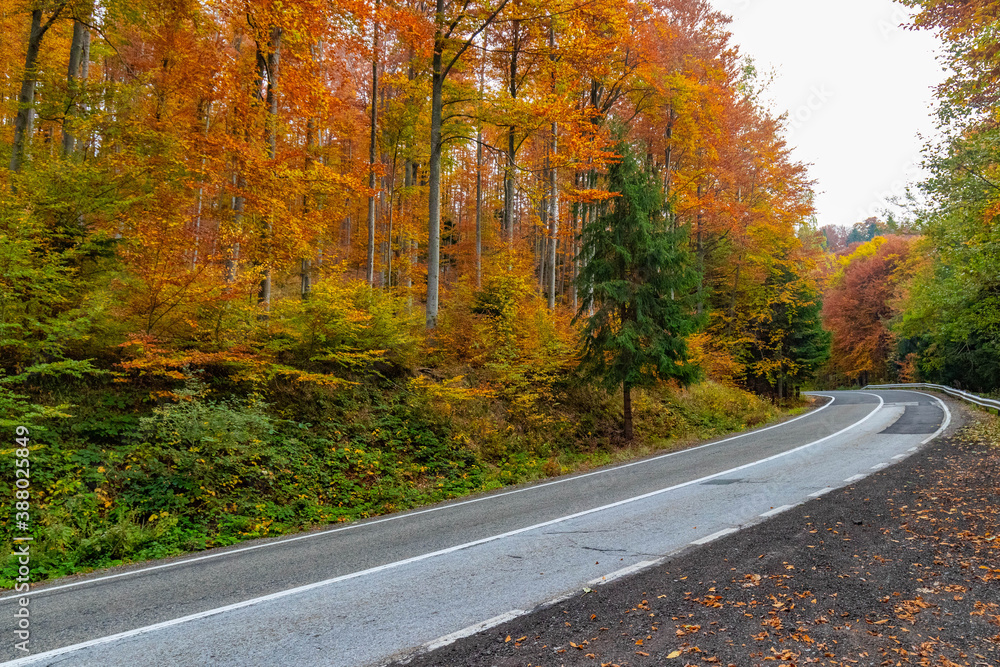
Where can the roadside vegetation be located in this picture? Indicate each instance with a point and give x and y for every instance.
(181, 458)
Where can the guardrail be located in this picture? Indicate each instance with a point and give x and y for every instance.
(951, 391)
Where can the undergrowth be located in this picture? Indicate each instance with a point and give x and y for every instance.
(329, 410)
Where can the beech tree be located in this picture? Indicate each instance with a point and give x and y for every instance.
(858, 308)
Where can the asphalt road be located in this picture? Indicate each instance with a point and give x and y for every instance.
(365, 593)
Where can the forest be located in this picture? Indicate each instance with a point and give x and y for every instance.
(268, 265)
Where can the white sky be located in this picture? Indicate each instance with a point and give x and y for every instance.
(858, 89)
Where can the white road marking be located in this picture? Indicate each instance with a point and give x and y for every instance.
(414, 559)
(472, 629)
(561, 598)
(947, 416)
(777, 510)
(944, 407)
(618, 574)
(397, 517)
(817, 494)
(855, 478)
(879, 466)
(898, 456)
(715, 536)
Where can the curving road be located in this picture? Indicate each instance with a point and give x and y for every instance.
(365, 593)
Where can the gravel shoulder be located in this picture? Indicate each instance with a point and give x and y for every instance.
(901, 568)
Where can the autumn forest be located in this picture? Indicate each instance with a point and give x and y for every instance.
(269, 264)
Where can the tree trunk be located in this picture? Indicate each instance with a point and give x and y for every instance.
(700, 248)
(553, 217)
(627, 403)
(479, 208)
(207, 110)
(25, 119)
(508, 196)
(407, 183)
(574, 252)
(508, 189)
(305, 266)
(72, 73)
(553, 187)
(372, 145)
(272, 63)
(232, 261)
(434, 168)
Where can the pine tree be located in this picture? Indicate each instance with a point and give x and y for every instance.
(638, 279)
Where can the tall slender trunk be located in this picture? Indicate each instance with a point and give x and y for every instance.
(407, 183)
(434, 168)
(574, 248)
(508, 189)
(667, 167)
(553, 186)
(627, 405)
(479, 176)
(553, 217)
(305, 268)
(700, 249)
(25, 119)
(207, 110)
(479, 207)
(508, 197)
(272, 62)
(233, 259)
(72, 86)
(372, 145)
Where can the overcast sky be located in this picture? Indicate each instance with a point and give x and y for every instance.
(857, 87)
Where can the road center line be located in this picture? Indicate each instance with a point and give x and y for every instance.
(390, 566)
(407, 515)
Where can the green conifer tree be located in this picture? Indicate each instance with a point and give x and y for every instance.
(639, 281)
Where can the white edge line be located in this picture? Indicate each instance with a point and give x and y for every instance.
(944, 408)
(618, 574)
(898, 456)
(471, 630)
(777, 510)
(947, 417)
(414, 559)
(715, 536)
(854, 478)
(823, 491)
(561, 598)
(880, 466)
(397, 517)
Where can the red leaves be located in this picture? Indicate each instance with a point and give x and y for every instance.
(859, 305)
